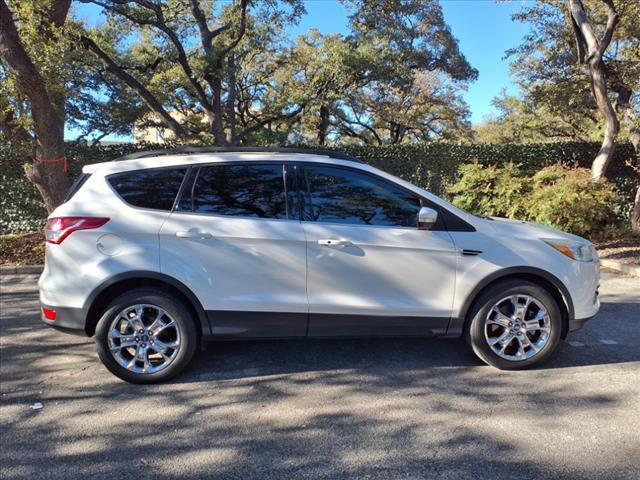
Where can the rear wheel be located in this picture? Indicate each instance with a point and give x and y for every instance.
(146, 336)
(514, 325)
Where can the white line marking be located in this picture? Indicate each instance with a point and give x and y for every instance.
(577, 344)
(608, 342)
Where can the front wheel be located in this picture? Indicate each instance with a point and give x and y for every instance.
(514, 325)
(146, 336)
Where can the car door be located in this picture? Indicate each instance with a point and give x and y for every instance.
(371, 271)
(235, 239)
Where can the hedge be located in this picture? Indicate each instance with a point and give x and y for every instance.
(433, 166)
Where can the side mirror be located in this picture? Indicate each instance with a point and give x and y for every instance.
(427, 218)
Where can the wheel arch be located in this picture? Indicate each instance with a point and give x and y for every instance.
(540, 277)
(118, 284)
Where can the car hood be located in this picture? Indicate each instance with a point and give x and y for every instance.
(520, 228)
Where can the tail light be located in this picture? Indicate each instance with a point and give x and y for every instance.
(59, 228)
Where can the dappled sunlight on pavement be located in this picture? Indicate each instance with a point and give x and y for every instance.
(324, 408)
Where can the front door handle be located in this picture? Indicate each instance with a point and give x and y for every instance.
(335, 242)
(194, 233)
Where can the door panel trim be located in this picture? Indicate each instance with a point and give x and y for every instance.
(232, 325)
(354, 325)
(244, 324)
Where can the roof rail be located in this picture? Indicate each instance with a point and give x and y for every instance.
(189, 150)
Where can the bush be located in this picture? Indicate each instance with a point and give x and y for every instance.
(567, 198)
(558, 196)
(21, 207)
(490, 190)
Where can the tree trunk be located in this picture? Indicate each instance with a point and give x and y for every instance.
(217, 129)
(591, 52)
(628, 118)
(47, 170)
(50, 179)
(634, 135)
(611, 124)
(635, 216)
(323, 125)
(231, 101)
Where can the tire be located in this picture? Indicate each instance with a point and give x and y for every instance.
(137, 357)
(486, 325)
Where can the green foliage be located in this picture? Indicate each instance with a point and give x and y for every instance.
(396, 76)
(433, 166)
(559, 196)
(21, 207)
(491, 190)
(555, 101)
(567, 198)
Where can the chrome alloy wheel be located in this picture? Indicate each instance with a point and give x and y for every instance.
(517, 327)
(144, 338)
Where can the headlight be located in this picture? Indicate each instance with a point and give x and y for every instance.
(576, 251)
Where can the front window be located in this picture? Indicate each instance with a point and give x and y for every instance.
(340, 195)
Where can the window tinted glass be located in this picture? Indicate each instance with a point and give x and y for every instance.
(338, 195)
(184, 204)
(149, 188)
(251, 190)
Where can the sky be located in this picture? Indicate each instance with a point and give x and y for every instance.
(483, 28)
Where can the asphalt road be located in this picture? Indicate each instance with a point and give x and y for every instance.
(329, 409)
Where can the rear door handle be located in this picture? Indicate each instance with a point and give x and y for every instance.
(194, 233)
(335, 242)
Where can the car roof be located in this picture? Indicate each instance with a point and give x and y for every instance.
(216, 149)
(176, 157)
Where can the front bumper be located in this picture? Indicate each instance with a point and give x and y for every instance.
(578, 323)
(68, 320)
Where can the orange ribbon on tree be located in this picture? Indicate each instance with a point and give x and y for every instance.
(63, 159)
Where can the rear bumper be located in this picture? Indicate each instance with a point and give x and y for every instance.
(68, 320)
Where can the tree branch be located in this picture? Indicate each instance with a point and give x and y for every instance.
(243, 27)
(612, 21)
(28, 79)
(206, 36)
(272, 118)
(58, 12)
(161, 24)
(583, 30)
(11, 129)
(147, 97)
(360, 124)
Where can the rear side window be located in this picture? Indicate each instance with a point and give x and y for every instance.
(155, 189)
(246, 190)
(339, 195)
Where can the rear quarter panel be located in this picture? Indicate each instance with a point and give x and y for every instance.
(87, 258)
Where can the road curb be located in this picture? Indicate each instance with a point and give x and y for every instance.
(618, 266)
(20, 270)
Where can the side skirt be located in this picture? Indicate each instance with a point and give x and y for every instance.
(255, 325)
